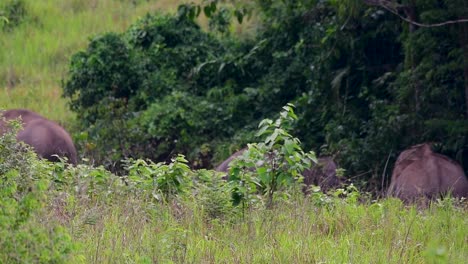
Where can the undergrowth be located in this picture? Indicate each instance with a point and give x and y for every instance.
(167, 213)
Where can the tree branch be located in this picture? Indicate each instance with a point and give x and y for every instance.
(393, 8)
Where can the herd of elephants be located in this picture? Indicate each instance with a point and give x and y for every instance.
(418, 173)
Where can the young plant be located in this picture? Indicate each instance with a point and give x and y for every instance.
(213, 195)
(274, 163)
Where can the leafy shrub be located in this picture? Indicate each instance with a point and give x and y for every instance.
(162, 181)
(24, 182)
(146, 92)
(271, 165)
(13, 13)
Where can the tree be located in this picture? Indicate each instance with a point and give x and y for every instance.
(460, 12)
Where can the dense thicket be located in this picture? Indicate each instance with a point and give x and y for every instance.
(162, 87)
(367, 84)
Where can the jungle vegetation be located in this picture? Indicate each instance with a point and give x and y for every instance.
(156, 93)
(368, 78)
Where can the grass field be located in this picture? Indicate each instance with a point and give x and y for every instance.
(34, 57)
(53, 214)
(301, 230)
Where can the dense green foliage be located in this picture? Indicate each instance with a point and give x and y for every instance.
(12, 13)
(25, 183)
(366, 83)
(153, 91)
(365, 88)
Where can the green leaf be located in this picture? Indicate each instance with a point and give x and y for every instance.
(239, 15)
(207, 11)
(273, 137)
(290, 146)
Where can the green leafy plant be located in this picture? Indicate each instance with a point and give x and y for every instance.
(163, 181)
(217, 12)
(24, 185)
(276, 162)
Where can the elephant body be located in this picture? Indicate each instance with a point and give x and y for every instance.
(224, 166)
(45, 136)
(322, 174)
(420, 172)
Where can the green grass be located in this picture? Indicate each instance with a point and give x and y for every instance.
(297, 231)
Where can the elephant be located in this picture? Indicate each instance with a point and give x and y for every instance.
(224, 166)
(47, 138)
(419, 172)
(322, 174)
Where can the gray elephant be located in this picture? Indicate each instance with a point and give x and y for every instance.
(47, 138)
(322, 174)
(419, 172)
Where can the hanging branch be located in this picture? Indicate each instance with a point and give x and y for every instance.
(394, 7)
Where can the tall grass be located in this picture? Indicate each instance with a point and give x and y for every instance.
(296, 231)
(34, 56)
(82, 214)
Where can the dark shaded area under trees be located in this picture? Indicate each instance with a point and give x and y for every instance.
(367, 83)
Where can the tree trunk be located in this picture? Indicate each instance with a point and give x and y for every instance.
(410, 12)
(463, 36)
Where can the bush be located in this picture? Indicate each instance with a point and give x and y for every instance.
(24, 182)
(146, 92)
(162, 181)
(14, 13)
